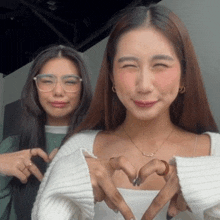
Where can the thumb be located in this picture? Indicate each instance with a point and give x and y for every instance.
(53, 153)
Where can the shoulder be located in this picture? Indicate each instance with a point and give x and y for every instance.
(83, 139)
(10, 144)
(195, 145)
(203, 145)
(107, 143)
(214, 139)
(84, 136)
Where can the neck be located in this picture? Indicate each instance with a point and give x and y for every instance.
(152, 129)
(58, 121)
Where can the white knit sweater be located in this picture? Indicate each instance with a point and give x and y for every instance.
(66, 191)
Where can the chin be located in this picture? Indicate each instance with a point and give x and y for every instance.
(145, 117)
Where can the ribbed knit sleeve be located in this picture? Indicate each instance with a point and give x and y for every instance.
(200, 182)
(66, 191)
(200, 178)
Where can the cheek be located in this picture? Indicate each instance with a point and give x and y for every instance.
(42, 98)
(169, 81)
(75, 99)
(125, 80)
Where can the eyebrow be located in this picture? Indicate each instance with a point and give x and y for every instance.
(122, 59)
(71, 76)
(42, 75)
(162, 57)
(65, 76)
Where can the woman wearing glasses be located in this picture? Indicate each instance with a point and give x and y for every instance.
(55, 99)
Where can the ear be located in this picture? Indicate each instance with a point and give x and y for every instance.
(182, 87)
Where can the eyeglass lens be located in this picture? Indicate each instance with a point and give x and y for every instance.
(47, 82)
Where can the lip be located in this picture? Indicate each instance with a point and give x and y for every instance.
(144, 103)
(58, 104)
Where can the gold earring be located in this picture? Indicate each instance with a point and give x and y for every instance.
(113, 89)
(182, 89)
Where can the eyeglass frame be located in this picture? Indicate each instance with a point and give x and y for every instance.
(35, 79)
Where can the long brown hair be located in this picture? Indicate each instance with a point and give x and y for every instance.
(189, 111)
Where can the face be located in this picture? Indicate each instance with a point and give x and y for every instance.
(146, 73)
(59, 104)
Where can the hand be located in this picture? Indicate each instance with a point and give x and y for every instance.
(101, 172)
(19, 164)
(170, 192)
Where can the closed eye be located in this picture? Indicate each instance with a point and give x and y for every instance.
(129, 65)
(160, 65)
(46, 81)
(71, 82)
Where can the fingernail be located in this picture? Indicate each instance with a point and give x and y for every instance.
(134, 182)
(138, 181)
(169, 217)
(132, 218)
(115, 210)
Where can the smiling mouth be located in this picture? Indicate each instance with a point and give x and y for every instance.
(145, 103)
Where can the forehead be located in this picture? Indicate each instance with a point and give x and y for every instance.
(144, 42)
(59, 67)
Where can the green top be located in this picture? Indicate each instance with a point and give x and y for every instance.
(9, 145)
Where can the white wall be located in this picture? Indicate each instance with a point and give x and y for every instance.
(1, 105)
(201, 18)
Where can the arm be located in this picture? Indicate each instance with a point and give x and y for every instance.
(200, 182)
(199, 178)
(5, 197)
(7, 146)
(14, 163)
(66, 191)
(191, 183)
(68, 168)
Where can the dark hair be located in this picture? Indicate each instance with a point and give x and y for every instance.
(189, 111)
(33, 115)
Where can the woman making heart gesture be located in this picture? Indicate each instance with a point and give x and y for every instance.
(147, 117)
(55, 99)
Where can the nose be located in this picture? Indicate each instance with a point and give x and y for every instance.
(58, 89)
(145, 79)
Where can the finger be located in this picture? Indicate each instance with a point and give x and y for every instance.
(111, 205)
(20, 175)
(99, 194)
(172, 209)
(26, 172)
(21, 166)
(116, 198)
(181, 203)
(165, 195)
(53, 153)
(154, 166)
(35, 171)
(41, 153)
(121, 163)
